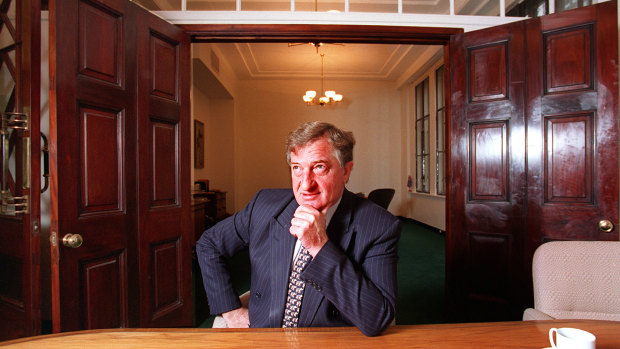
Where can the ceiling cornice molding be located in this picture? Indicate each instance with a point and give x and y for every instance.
(430, 55)
(254, 71)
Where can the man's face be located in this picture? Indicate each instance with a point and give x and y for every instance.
(317, 178)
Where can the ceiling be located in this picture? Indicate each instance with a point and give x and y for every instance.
(340, 61)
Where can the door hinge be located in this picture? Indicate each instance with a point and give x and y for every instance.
(53, 239)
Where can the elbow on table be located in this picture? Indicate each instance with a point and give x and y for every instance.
(373, 332)
(376, 329)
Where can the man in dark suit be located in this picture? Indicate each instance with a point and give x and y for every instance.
(350, 278)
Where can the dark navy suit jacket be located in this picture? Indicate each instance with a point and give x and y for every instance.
(351, 281)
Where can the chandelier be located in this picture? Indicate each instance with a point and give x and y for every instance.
(330, 97)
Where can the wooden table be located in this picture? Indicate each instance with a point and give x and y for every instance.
(526, 334)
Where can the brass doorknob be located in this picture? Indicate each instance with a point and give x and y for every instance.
(72, 240)
(605, 226)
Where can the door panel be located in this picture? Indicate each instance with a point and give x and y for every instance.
(573, 158)
(574, 170)
(486, 219)
(164, 166)
(108, 274)
(568, 59)
(533, 152)
(164, 183)
(568, 155)
(102, 140)
(101, 156)
(93, 123)
(20, 59)
(100, 56)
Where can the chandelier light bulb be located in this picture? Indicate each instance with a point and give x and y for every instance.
(330, 97)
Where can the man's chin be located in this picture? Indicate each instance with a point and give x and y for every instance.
(314, 203)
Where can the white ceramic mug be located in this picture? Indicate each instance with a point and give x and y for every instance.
(572, 338)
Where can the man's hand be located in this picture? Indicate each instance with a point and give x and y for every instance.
(237, 318)
(308, 225)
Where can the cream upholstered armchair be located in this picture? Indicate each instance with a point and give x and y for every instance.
(576, 280)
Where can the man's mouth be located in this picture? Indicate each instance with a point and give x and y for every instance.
(309, 196)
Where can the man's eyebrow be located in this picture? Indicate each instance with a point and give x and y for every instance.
(312, 163)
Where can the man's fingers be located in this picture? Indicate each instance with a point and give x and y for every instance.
(296, 230)
(308, 224)
(310, 214)
(307, 209)
(303, 217)
(302, 223)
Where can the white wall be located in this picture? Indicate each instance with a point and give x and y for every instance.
(213, 104)
(217, 115)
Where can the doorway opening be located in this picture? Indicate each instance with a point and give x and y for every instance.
(268, 106)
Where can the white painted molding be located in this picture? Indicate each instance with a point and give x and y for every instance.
(468, 23)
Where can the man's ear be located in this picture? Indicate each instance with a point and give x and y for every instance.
(347, 170)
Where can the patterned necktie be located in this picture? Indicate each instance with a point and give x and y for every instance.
(295, 289)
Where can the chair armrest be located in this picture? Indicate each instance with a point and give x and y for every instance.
(219, 322)
(533, 314)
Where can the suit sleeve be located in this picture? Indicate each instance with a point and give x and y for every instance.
(364, 292)
(214, 248)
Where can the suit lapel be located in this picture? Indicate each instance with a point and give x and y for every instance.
(282, 245)
(338, 232)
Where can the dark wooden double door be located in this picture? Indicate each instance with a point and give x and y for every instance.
(119, 132)
(119, 162)
(534, 152)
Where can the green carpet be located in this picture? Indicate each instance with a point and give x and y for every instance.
(421, 270)
(421, 275)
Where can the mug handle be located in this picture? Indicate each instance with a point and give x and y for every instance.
(551, 336)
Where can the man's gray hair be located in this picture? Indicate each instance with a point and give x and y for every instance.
(342, 141)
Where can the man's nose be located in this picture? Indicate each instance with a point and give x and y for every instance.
(307, 180)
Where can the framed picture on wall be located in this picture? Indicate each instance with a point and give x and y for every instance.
(199, 144)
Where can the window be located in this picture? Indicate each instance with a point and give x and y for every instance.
(440, 146)
(537, 8)
(561, 5)
(422, 127)
(529, 8)
(426, 117)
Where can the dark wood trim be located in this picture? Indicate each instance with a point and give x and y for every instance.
(30, 71)
(205, 33)
(370, 34)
